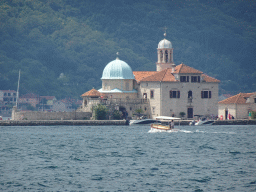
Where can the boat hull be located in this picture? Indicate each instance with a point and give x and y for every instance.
(142, 122)
(207, 122)
(162, 128)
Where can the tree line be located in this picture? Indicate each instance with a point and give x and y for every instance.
(63, 46)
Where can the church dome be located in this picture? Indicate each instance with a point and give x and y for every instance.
(165, 44)
(117, 69)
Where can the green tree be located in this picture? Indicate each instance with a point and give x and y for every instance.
(138, 112)
(253, 115)
(117, 115)
(100, 112)
(182, 114)
(31, 108)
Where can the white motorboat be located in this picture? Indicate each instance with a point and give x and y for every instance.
(142, 122)
(204, 122)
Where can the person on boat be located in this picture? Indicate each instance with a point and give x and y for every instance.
(172, 125)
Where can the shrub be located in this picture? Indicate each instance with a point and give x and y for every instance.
(117, 115)
(100, 112)
(253, 114)
(138, 112)
(182, 114)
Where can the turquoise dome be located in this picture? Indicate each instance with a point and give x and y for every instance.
(117, 69)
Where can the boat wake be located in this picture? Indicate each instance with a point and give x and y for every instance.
(186, 131)
(152, 130)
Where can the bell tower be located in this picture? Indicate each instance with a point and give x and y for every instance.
(165, 55)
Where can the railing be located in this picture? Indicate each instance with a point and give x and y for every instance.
(124, 101)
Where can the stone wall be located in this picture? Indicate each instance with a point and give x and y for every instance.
(63, 122)
(42, 115)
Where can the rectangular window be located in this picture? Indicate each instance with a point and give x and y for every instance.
(254, 100)
(151, 94)
(184, 78)
(5, 94)
(9, 94)
(174, 94)
(206, 94)
(195, 79)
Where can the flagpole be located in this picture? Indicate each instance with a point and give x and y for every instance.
(17, 96)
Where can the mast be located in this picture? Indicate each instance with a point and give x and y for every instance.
(17, 96)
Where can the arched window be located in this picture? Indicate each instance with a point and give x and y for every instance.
(161, 57)
(166, 56)
(190, 94)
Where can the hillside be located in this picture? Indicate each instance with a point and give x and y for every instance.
(62, 46)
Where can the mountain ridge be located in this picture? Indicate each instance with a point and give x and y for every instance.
(63, 46)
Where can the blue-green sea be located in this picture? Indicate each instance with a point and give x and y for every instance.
(127, 158)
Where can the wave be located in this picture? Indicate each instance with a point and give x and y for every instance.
(187, 131)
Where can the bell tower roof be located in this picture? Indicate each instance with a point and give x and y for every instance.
(165, 44)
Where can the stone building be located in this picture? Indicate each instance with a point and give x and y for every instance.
(168, 91)
(7, 100)
(8, 97)
(237, 106)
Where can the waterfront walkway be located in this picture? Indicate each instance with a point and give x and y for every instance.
(109, 122)
(62, 122)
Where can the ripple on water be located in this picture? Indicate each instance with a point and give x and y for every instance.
(112, 158)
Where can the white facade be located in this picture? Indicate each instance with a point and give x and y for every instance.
(162, 104)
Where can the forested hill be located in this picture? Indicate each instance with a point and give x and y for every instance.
(62, 46)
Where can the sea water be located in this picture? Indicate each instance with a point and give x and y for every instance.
(127, 158)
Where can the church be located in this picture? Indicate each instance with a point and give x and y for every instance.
(171, 90)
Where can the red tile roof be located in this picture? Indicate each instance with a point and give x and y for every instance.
(182, 68)
(139, 75)
(237, 99)
(92, 93)
(207, 78)
(166, 75)
(30, 95)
